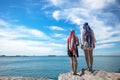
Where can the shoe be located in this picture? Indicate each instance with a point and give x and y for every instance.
(90, 69)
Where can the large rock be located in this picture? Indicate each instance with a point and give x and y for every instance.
(86, 75)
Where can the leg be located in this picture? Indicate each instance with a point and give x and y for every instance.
(72, 65)
(91, 58)
(76, 64)
(86, 57)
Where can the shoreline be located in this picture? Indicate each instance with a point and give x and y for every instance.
(21, 78)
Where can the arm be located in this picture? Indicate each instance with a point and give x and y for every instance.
(93, 39)
(67, 45)
(77, 41)
(81, 40)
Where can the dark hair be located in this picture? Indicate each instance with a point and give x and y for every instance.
(87, 34)
(85, 24)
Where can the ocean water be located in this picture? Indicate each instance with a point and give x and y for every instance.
(51, 67)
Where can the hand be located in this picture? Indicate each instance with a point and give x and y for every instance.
(77, 44)
(81, 46)
(93, 45)
(68, 50)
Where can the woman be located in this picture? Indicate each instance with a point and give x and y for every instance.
(72, 43)
(88, 44)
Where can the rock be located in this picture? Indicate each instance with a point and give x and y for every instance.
(20, 78)
(86, 75)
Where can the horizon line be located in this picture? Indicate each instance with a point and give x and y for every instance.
(46, 55)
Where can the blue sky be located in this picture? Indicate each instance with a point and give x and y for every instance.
(41, 27)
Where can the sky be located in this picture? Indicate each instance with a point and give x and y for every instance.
(41, 27)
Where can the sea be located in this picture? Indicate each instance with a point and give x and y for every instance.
(51, 66)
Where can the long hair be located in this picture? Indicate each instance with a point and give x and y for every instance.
(71, 40)
(87, 33)
(86, 28)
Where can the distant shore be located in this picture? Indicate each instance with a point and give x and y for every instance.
(56, 56)
(13, 56)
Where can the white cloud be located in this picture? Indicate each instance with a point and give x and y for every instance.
(94, 4)
(57, 45)
(88, 5)
(10, 31)
(18, 47)
(29, 47)
(57, 2)
(3, 23)
(111, 39)
(76, 12)
(102, 46)
(56, 15)
(57, 35)
(73, 14)
(89, 11)
(19, 40)
(18, 32)
(104, 32)
(35, 33)
(56, 28)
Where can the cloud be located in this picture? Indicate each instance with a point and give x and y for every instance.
(56, 28)
(56, 45)
(58, 35)
(105, 34)
(101, 46)
(21, 40)
(56, 2)
(109, 40)
(103, 17)
(23, 47)
(10, 31)
(56, 15)
(103, 31)
(75, 15)
(104, 22)
(22, 32)
(93, 4)
(3, 23)
(29, 47)
(65, 4)
(34, 32)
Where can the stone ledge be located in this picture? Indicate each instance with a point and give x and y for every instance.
(86, 75)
